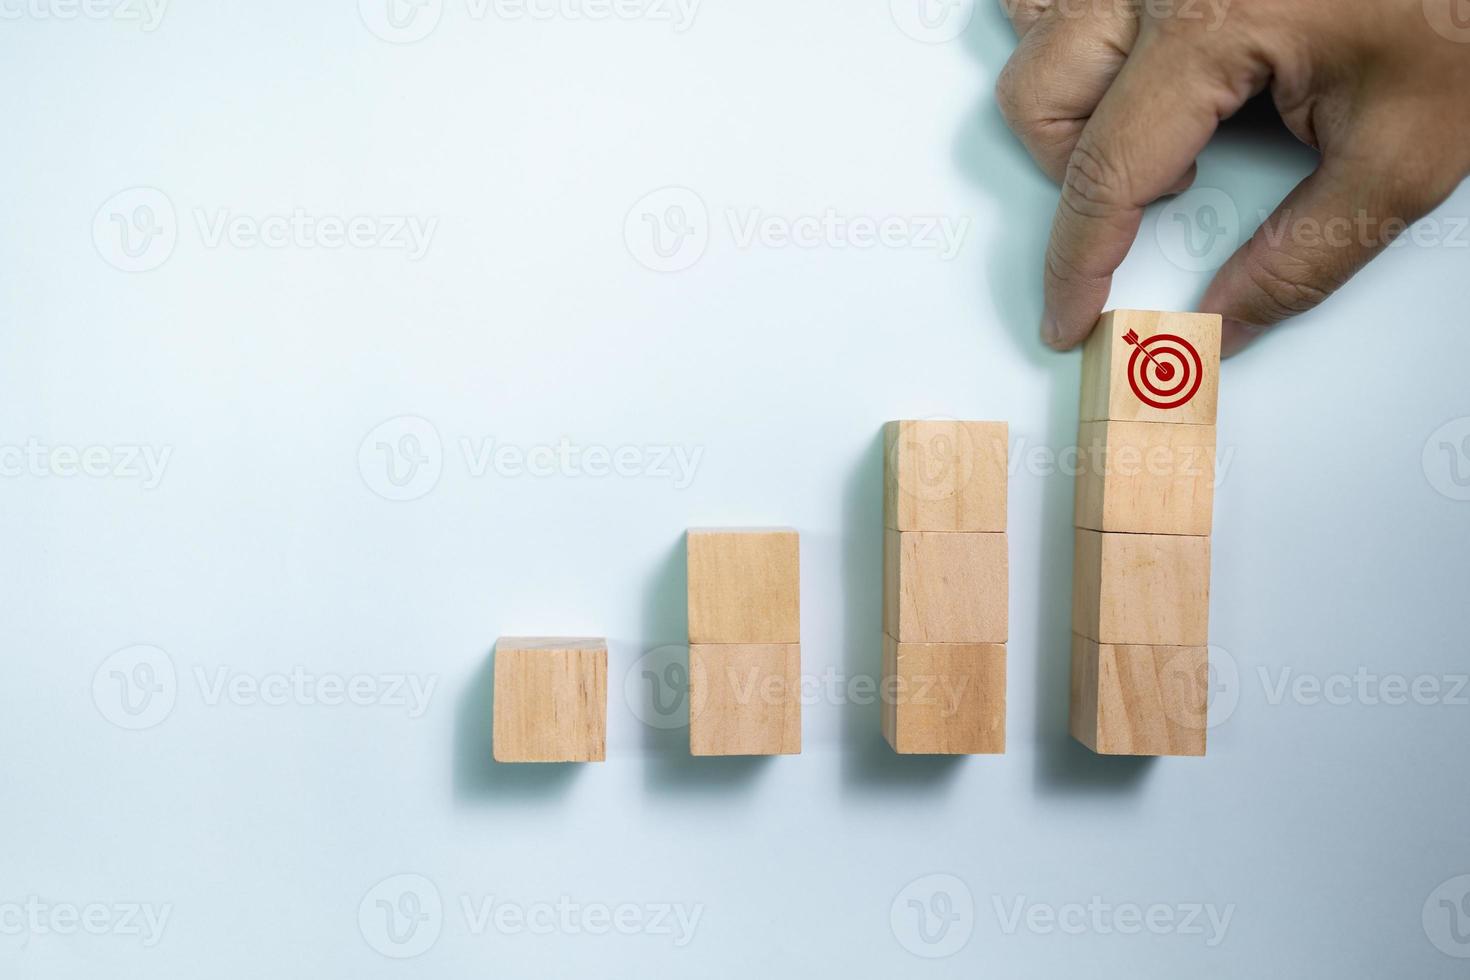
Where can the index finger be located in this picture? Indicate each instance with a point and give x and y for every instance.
(1138, 146)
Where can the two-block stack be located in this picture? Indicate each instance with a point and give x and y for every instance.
(946, 587)
(1145, 493)
(744, 641)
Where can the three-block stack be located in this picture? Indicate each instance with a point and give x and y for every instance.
(946, 587)
(744, 641)
(1145, 494)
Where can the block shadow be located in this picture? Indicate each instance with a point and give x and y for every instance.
(663, 698)
(988, 155)
(869, 764)
(478, 778)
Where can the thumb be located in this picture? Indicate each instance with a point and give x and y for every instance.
(1329, 227)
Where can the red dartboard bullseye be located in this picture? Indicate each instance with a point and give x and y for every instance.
(1165, 371)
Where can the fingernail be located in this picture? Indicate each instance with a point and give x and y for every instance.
(1051, 330)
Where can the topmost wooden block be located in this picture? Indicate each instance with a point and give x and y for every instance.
(945, 475)
(1152, 367)
(744, 585)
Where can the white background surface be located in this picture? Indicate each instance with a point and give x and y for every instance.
(261, 824)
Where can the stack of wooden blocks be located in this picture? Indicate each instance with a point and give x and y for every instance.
(1145, 493)
(744, 641)
(946, 587)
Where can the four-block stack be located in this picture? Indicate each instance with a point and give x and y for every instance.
(946, 587)
(1145, 493)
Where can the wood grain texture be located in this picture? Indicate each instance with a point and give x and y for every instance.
(944, 698)
(1139, 700)
(550, 700)
(946, 587)
(744, 585)
(1106, 393)
(1151, 589)
(945, 475)
(745, 699)
(1145, 477)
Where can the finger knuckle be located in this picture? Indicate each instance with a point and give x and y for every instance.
(1288, 285)
(1095, 184)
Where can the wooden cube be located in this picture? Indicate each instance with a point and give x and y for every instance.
(744, 698)
(1150, 589)
(945, 587)
(744, 585)
(1142, 366)
(1145, 477)
(944, 698)
(945, 475)
(550, 699)
(1139, 700)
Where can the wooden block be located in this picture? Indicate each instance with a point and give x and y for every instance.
(945, 587)
(550, 699)
(1169, 384)
(944, 698)
(945, 475)
(1151, 589)
(1145, 477)
(744, 699)
(744, 585)
(1139, 700)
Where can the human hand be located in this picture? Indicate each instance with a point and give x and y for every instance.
(1116, 98)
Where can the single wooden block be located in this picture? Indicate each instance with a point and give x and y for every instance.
(1139, 700)
(1142, 366)
(946, 587)
(1145, 477)
(550, 699)
(945, 475)
(744, 585)
(944, 698)
(745, 699)
(1151, 589)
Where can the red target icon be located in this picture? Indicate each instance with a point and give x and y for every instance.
(1165, 371)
